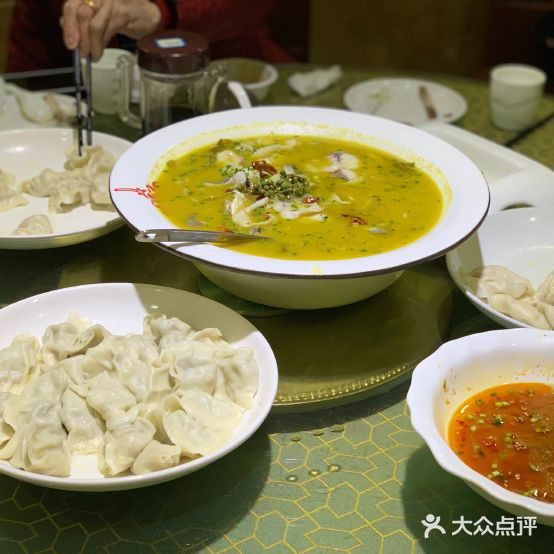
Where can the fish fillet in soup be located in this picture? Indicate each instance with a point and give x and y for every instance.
(317, 198)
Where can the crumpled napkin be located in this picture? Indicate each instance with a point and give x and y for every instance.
(309, 83)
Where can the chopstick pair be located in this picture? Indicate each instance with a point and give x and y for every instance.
(87, 124)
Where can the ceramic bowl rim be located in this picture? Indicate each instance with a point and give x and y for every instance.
(447, 234)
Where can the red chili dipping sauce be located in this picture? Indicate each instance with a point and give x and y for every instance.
(507, 434)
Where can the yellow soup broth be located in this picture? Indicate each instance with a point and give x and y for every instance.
(317, 198)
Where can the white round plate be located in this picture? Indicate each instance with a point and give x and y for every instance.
(11, 116)
(121, 307)
(465, 192)
(521, 239)
(399, 99)
(27, 152)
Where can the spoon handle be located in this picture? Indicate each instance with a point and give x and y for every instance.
(182, 235)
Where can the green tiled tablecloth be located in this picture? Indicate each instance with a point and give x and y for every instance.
(348, 479)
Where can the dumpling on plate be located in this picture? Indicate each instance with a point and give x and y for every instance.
(71, 191)
(10, 198)
(521, 310)
(7, 179)
(156, 456)
(495, 279)
(545, 292)
(34, 225)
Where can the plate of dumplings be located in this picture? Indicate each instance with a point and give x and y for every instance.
(49, 195)
(118, 385)
(506, 268)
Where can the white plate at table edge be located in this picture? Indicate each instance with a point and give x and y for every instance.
(458, 271)
(357, 98)
(121, 307)
(11, 117)
(81, 224)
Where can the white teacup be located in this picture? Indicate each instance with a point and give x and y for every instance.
(515, 94)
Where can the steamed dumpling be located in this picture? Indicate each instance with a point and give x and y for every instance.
(193, 366)
(39, 442)
(219, 414)
(545, 292)
(239, 375)
(191, 436)
(519, 309)
(34, 225)
(548, 311)
(7, 179)
(17, 362)
(86, 433)
(6, 431)
(124, 444)
(71, 191)
(10, 198)
(110, 399)
(75, 336)
(494, 279)
(164, 330)
(156, 456)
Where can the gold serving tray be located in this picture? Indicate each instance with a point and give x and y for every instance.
(341, 355)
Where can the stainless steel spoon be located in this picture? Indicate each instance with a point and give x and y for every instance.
(183, 235)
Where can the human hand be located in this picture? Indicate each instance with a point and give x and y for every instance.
(91, 24)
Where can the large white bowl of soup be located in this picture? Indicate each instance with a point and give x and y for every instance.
(347, 200)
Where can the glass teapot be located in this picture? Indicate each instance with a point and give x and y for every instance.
(175, 81)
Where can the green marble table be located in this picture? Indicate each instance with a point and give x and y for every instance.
(352, 478)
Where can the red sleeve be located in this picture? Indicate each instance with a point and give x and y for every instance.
(233, 27)
(167, 21)
(35, 36)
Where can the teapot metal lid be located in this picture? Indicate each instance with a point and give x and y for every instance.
(173, 52)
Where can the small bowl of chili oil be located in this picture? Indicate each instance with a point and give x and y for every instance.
(484, 404)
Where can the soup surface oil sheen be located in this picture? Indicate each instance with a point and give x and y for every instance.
(507, 434)
(317, 198)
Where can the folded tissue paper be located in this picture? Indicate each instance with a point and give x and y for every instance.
(309, 83)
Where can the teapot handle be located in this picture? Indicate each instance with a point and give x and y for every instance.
(240, 94)
(236, 89)
(125, 66)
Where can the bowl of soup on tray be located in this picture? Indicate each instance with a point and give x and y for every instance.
(484, 404)
(347, 201)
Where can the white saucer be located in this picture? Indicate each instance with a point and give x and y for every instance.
(399, 99)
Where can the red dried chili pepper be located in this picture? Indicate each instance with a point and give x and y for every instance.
(354, 219)
(264, 168)
(310, 199)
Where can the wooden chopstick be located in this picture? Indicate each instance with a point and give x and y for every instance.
(77, 82)
(427, 102)
(89, 100)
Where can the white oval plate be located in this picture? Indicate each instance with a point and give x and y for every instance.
(521, 239)
(27, 152)
(464, 188)
(121, 307)
(399, 99)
